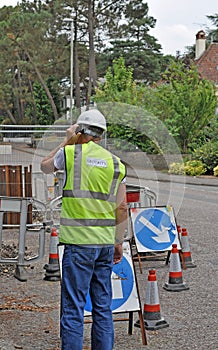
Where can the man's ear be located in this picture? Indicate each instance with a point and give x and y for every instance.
(97, 139)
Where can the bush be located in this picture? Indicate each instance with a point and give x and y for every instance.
(177, 168)
(191, 167)
(208, 154)
(215, 171)
(194, 168)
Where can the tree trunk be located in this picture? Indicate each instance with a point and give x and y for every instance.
(11, 117)
(34, 104)
(44, 87)
(92, 63)
(17, 100)
(76, 66)
(20, 100)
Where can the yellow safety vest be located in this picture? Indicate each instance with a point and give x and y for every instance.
(93, 175)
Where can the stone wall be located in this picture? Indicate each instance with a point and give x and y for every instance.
(148, 161)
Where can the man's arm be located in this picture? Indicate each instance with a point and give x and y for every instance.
(47, 164)
(121, 222)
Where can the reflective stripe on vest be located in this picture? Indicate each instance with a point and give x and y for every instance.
(87, 222)
(88, 194)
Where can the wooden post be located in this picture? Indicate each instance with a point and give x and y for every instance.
(28, 190)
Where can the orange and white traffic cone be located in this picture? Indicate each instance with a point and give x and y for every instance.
(52, 268)
(175, 283)
(186, 249)
(152, 315)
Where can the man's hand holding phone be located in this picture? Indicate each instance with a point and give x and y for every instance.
(73, 133)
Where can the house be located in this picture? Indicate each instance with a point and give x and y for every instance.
(206, 59)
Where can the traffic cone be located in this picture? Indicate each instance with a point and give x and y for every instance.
(152, 316)
(52, 268)
(179, 230)
(175, 283)
(186, 249)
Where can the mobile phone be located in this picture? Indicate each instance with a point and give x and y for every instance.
(79, 129)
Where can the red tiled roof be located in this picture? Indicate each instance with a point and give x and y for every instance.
(208, 63)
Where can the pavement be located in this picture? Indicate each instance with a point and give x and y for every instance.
(163, 176)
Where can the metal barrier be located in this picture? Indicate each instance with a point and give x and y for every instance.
(20, 205)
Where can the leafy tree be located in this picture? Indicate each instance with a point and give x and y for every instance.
(21, 31)
(131, 37)
(100, 14)
(132, 126)
(213, 33)
(184, 102)
(41, 25)
(119, 85)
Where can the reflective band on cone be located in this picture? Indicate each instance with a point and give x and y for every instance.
(152, 316)
(186, 249)
(175, 283)
(52, 268)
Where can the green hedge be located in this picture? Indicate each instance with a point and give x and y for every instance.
(215, 171)
(191, 167)
(208, 154)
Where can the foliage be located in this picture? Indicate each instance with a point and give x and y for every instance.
(191, 167)
(194, 168)
(213, 33)
(137, 127)
(119, 84)
(131, 38)
(44, 111)
(135, 124)
(120, 87)
(35, 51)
(22, 29)
(215, 171)
(208, 154)
(41, 25)
(176, 168)
(184, 102)
(210, 132)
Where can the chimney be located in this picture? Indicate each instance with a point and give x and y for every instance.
(200, 44)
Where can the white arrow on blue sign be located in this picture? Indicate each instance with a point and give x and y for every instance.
(154, 228)
(125, 296)
(122, 285)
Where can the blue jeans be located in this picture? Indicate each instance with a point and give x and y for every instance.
(86, 269)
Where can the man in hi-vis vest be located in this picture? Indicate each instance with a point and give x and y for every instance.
(92, 226)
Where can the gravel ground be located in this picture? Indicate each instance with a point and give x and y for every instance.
(29, 311)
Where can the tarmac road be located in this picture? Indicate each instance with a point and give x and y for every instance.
(29, 311)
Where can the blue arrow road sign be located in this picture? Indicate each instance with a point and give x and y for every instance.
(155, 228)
(122, 283)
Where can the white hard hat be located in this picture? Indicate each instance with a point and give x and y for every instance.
(92, 117)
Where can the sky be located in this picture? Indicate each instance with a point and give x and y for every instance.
(177, 21)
